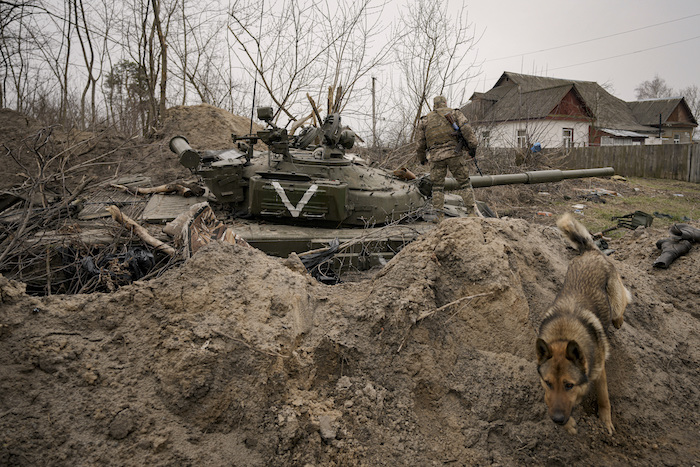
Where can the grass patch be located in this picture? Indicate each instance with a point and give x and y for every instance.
(666, 185)
(679, 200)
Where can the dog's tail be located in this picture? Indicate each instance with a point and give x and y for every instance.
(576, 232)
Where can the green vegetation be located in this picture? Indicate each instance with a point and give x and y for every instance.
(679, 200)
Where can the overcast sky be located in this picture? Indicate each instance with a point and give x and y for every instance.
(616, 42)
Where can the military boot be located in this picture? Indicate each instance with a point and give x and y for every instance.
(438, 203)
(686, 232)
(671, 248)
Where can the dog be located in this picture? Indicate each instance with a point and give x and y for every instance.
(572, 345)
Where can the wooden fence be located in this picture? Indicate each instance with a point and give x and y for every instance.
(670, 161)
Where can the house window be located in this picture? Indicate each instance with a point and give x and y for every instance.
(485, 137)
(521, 139)
(676, 138)
(567, 135)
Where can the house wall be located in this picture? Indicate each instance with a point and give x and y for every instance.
(686, 135)
(598, 137)
(546, 132)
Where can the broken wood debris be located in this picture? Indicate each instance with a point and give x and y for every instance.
(197, 227)
(187, 191)
(142, 233)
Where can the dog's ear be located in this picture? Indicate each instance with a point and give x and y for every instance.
(543, 351)
(574, 353)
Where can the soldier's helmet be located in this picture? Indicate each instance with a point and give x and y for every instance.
(439, 101)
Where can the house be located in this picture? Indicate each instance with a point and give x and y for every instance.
(672, 118)
(522, 110)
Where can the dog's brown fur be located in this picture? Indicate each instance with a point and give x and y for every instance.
(572, 346)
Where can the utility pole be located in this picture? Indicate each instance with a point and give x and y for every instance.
(374, 117)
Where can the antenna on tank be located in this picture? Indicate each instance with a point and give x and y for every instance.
(255, 83)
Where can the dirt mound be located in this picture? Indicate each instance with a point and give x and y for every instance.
(14, 128)
(204, 126)
(237, 358)
(15, 125)
(56, 159)
(105, 154)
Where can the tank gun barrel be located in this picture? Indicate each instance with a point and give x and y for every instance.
(188, 156)
(537, 176)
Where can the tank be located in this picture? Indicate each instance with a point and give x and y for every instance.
(310, 179)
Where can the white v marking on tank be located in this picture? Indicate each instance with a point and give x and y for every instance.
(295, 210)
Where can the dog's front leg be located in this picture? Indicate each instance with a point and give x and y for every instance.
(604, 401)
(570, 426)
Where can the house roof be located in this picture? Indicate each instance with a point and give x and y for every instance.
(515, 95)
(647, 111)
(532, 104)
(623, 133)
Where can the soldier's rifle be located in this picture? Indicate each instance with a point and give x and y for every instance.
(461, 142)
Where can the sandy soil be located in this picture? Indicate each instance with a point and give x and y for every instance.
(215, 363)
(238, 358)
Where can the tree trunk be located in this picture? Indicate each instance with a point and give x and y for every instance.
(163, 59)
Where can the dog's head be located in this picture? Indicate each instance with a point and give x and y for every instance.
(563, 373)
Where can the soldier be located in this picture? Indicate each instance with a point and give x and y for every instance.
(437, 134)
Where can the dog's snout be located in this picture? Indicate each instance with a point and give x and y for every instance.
(559, 418)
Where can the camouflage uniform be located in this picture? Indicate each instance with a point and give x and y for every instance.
(436, 135)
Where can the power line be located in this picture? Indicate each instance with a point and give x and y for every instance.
(612, 57)
(626, 54)
(593, 39)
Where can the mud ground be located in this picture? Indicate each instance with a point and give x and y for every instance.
(238, 358)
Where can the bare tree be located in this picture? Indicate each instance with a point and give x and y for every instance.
(82, 30)
(128, 59)
(202, 61)
(692, 98)
(283, 53)
(158, 28)
(657, 88)
(349, 58)
(433, 53)
(14, 47)
(149, 22)
(307, 47)
(12, 29)
(653, 89)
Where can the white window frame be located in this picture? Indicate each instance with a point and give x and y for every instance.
(676, 138)
(486, 138)
(567, 135)
(521, 138)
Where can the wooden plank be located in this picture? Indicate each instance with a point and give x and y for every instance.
(162, 208)
(694, 164)
(94, 208)
(129, 204)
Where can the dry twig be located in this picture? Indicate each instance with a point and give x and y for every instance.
(470, 297)
(430, 313)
